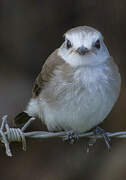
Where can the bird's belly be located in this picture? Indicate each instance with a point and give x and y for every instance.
(80, 111)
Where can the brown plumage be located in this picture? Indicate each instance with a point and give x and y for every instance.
(78, 84)
(49, 68)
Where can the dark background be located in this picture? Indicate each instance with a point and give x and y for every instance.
(29, 31)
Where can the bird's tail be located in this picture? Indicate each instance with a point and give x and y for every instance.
(21, 119)
(30, 111)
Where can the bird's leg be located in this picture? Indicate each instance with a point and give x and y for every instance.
(100, 131)
(71, 137)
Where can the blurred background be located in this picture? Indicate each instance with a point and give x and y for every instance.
(29, 31)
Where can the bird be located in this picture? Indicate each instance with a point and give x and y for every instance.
(78, 85)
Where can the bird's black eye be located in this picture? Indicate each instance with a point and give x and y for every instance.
(97, 44)
(69, 45)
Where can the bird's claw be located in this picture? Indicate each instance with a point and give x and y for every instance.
(100, 131)
(71, 137)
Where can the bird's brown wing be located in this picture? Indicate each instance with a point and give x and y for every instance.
(44, 76)
(46, 73)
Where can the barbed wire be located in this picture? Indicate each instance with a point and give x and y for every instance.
(8, 134)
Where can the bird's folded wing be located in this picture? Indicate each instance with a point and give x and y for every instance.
(46, 73)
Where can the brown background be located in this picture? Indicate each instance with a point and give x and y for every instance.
(29, 31)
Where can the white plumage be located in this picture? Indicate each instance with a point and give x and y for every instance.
(92, 88)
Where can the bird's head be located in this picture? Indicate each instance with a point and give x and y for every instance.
(83, 45)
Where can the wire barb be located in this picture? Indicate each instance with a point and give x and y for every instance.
(8, 134)
(12, 135)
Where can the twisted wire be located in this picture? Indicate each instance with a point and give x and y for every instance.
(8, 134)
(16, 135)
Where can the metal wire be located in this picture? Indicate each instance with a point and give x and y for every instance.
(8, 134)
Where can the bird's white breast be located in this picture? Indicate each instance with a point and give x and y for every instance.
(83, 103)
(87, 100)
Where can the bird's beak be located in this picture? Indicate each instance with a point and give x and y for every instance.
(81, 51)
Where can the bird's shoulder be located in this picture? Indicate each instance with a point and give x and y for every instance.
(48, 68)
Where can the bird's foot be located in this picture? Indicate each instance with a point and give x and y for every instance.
(71, 137)
(99, 131)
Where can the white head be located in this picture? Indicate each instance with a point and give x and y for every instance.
(83, 45)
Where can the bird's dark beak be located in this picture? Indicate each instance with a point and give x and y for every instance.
(82, 50)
